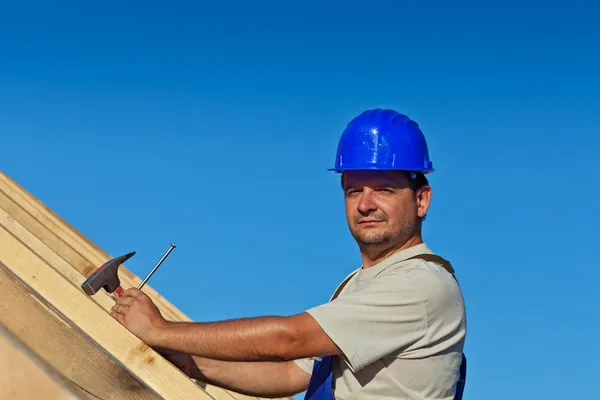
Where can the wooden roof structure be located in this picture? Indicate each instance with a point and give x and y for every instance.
(56, 342)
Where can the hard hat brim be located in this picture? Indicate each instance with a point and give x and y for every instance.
(379, 168)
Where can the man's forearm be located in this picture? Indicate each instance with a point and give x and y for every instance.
(261, 379)
(252, 339)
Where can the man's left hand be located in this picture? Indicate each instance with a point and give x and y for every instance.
(136, 311)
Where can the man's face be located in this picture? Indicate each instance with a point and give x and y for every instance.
(381, 209)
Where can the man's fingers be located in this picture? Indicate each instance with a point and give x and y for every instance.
(119, 309)
(126, 300)
(118, 317)
(133, 292)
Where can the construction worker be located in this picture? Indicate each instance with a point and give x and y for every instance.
(395, 327)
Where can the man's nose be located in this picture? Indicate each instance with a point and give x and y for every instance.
(366, 202)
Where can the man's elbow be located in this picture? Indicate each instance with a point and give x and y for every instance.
(302, 337)
(291, 346)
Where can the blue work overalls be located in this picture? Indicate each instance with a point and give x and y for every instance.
(320, 386)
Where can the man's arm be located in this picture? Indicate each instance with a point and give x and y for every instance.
(262, 379)
(249, 339)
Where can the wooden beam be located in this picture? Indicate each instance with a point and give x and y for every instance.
(19, 368)
(79, 251)
(11, 222)
(212, 390)
(53, 259)
(72, 254)
(56, 343)
(89, 333)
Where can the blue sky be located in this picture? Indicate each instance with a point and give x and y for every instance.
(212, 127)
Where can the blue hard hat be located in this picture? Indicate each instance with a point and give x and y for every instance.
(382, 140)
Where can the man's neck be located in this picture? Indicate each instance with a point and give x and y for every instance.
(373, 255)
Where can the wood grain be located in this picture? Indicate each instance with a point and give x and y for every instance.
(19, 368)
(46, 253)
(79, 252)
(72, 254)
(85, 338)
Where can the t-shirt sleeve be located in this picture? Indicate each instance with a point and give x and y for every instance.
(305, 364)
(386, 315)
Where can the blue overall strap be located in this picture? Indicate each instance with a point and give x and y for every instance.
(320, 386)
(462, 379)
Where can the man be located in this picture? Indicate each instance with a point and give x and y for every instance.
(397, 326)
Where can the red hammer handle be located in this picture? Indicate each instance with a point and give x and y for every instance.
(117, 293)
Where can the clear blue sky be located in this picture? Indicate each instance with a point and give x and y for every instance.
(212, 127)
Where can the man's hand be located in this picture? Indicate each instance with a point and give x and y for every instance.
(255, 379)
(268, 338)
(136, 311)
(184, 362)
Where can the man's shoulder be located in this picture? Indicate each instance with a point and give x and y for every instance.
(414, 267)
(426, 261)
(427, 275)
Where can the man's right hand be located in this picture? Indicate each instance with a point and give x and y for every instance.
(259, 379)
(182, 361)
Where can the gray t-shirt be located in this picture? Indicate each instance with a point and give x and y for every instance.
(401, 325)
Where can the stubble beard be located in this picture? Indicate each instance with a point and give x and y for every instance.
(373, 238)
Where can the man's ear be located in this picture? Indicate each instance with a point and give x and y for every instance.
(423, 198)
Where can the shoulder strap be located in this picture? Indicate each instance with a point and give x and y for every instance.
(427, 257)
(436, 259)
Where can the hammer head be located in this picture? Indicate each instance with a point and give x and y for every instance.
(105, 276)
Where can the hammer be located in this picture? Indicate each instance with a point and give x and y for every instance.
(106, 276)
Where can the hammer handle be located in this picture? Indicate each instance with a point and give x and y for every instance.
(117, 293)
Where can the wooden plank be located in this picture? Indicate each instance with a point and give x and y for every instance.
(18, 369)
(89, 323)
(63, 240)
(24, 234)
(46, 253)
(72, 245)
(45, 235)
(231, 395)
(70, 354)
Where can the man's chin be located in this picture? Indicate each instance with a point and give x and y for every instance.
(371, 239)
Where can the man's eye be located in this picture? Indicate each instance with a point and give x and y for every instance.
(387, 191)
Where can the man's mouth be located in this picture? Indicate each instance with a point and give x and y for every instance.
(369, 221)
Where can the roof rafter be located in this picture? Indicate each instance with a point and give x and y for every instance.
(43, 261)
